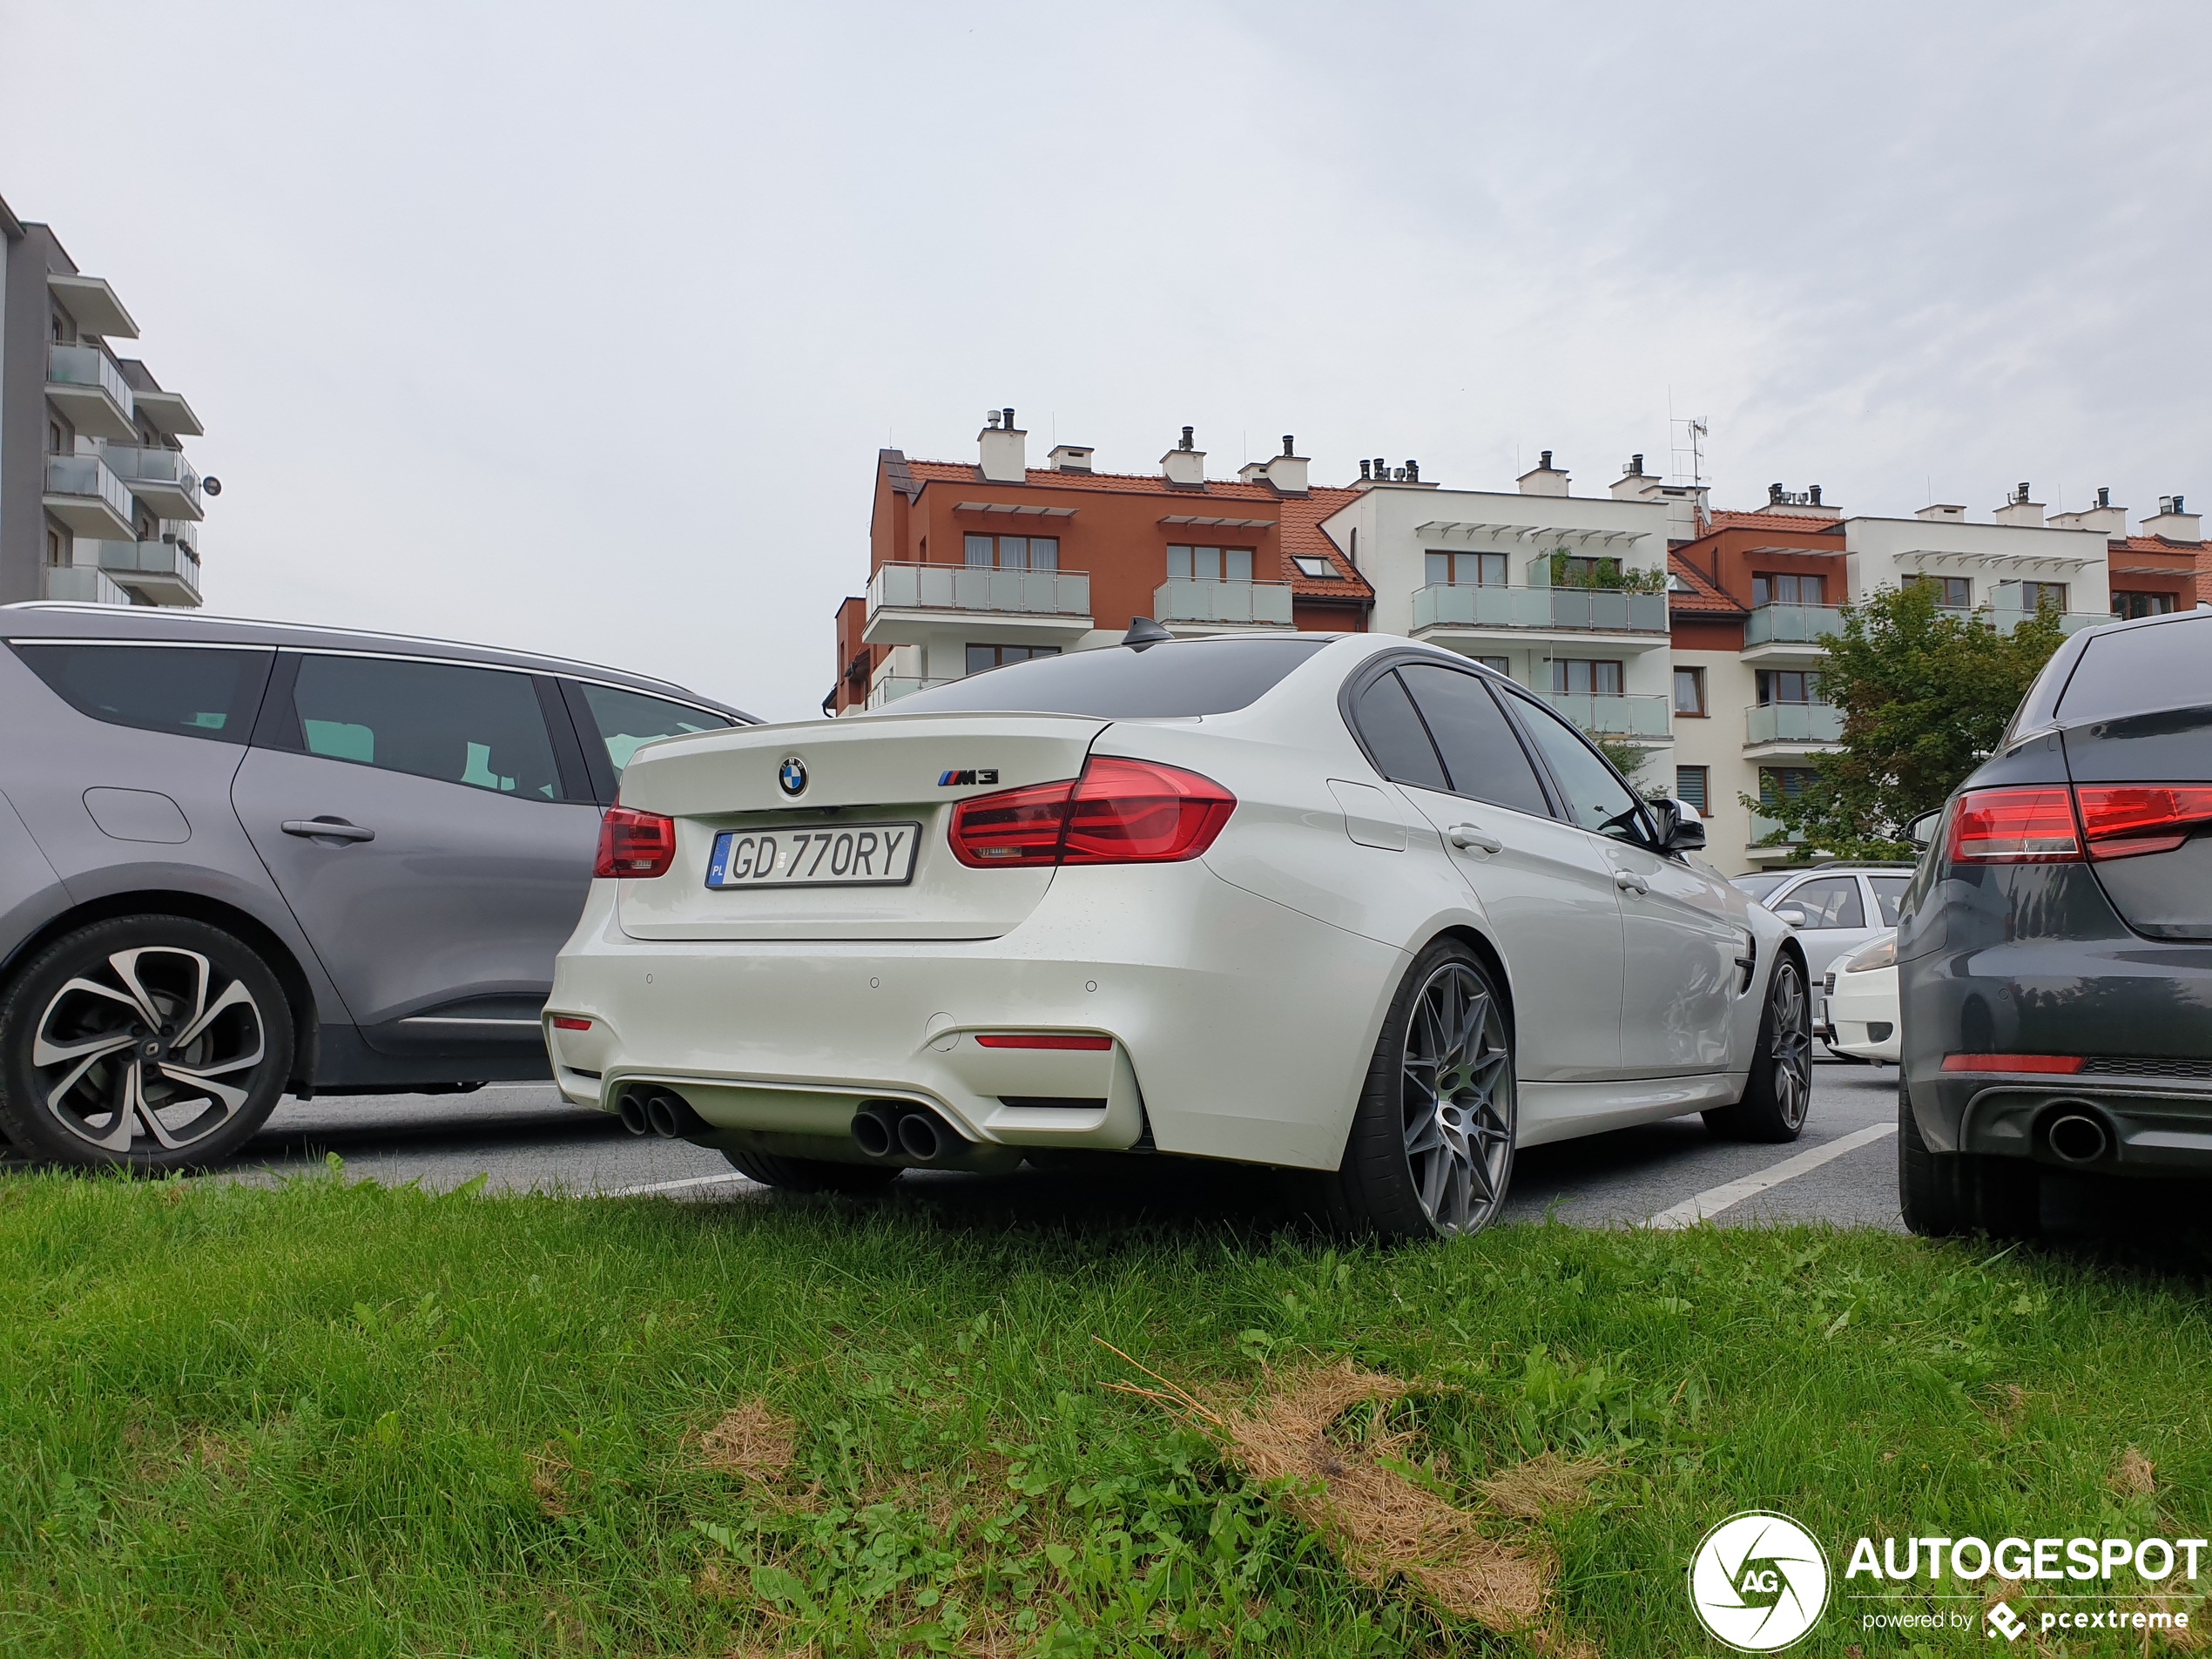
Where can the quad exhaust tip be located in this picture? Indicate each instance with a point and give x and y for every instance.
(632, 1113)
(668, 1115)
(892, 1129)
(2078, 1138)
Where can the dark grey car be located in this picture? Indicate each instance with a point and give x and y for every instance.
(2054, 953)
(238, 859)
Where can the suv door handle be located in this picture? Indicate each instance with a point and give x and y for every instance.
(328, 829)
(1629, 883)
(1464, 836)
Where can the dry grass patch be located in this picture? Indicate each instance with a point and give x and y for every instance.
(2132, 1476)
(752, 1442)
(1529, 1491)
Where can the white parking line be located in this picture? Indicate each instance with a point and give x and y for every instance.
(672, 1186)
(1712, 1200)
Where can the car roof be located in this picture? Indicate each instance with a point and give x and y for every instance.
(45, 619)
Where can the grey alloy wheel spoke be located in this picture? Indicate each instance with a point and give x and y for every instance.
(234, 995)
(1457, 1082)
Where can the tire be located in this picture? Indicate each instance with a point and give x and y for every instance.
(1430, 1154)
(1945, 1195)
(147, 1044)
(1778, 1093)
(812, 1175)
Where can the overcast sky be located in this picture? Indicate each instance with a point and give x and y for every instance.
(578, 328)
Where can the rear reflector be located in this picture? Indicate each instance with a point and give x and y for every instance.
(634, 844)
(2123, 820)
(1038, 1040)
(570, 1022)
(1119, 812)
(2066, 1063)
(2015, 827)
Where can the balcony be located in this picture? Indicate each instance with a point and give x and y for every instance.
(162, 479)
(2006, 617)
(86, 496)
(1198, 604)
(161, 573)
(83, 584)
(1632, 621)
(1784, 728)
(1789, 633)
(1616, 717)
(892, 687)
(1762, 827)
(909, 605)
(86, 385)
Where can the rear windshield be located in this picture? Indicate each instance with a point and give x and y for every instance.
(2138, 671)
(1173, 678)
(1757, 885)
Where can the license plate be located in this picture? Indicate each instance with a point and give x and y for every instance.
(815, 855)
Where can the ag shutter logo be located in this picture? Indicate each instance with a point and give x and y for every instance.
(1759, 1581)
(791, 775)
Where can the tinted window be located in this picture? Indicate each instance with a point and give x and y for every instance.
(1757, 885)
(1597, 798)
(2168, 665)
(629, 719)
(1481, 754)
(1830, 901)
(1889, 894)
(1173, 678)
(480, 726)
(157, 688)
(1392, 732)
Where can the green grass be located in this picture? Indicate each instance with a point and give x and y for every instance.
(334, 1419)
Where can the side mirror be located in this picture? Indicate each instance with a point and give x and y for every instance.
(1790, 916)
(1922, 830)
(1681, 830)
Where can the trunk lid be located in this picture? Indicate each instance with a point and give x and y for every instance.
(2161, 895)
(884, 770)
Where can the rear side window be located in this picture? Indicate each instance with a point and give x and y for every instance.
(1889, 894)
(2137, 670)
(1830, 901)
(478, 726)
(158, 687)
(1394, 736)
(628, 721)
(1175, 678)
(1484, 758)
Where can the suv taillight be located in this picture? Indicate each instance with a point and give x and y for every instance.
(2015, 827)
(1119, 812)
(633, 844)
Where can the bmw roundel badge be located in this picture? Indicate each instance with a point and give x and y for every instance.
(791, 775)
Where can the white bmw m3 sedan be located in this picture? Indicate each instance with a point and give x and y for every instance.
(1341, 904)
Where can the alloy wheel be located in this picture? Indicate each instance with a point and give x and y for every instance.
(155, 1041)
(1456, 1085)
(1790, 1051)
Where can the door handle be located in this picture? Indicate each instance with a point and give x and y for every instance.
(328, 829)
(1629, 883)
(1464, 836)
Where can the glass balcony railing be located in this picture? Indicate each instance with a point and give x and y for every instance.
(166, 472)
(975, 588)
(90, 477)
(1617, 717)
(1790, 624)
(1762, 827)
(171, 560)
(85, 366)
(1793, 723)
(1577, 610)
(2005, 618)
(83, 584)
(1197, 599)
(892, 687)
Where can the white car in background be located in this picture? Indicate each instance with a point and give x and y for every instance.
(1862, 1000)
(1342, 904)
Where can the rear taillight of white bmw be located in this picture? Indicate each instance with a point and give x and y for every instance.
(634, 844)
(2051, 824)
(1119, 812)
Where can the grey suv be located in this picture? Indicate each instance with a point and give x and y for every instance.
(238, 859)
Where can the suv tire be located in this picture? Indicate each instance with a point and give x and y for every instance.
(1944, 1195)
(812, 1175)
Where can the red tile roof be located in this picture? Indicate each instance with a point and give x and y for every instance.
(1704, 597)
(1722, 519)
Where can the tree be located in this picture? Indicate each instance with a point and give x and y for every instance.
(1926, 695)
(1629, 758)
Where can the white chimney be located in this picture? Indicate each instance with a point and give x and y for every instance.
(1005, 449)
(2171, 523)
(1633, 482)
(2104, 516)
(2018, 509)
(1071, 457)
(1943, 512)
(1184, 464)
(1543, 479)
(1287, 471)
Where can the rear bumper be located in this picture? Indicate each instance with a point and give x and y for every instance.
(2154, 1128)
(1237, 1028)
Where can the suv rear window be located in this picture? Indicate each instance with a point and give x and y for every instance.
(181, 689)
(2137, 670)
(1175, 678)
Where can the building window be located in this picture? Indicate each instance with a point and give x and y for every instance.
(1497, 665)
(1776, 590)
(1466, 569)
(1689, 691)
(1787, 686)
(1583, 679)
(1577, 570)
(1691, 785)
(1013, 552)
(1785, 782)
(2035, 594)
(1952, 592)
(2141, 604)
(54, 441)
(1314, 565)
(1209, 564)
(982, 657)
(55, 552)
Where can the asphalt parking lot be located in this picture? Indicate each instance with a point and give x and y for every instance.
(523, 1137)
